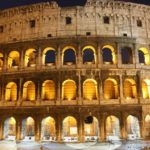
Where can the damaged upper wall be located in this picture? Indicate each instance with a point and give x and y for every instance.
(96, 18)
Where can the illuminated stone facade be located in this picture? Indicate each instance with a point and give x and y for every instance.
(60, 65)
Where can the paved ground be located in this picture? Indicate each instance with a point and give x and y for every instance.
(132, 145)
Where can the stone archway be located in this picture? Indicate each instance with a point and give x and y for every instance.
(28, 129)
(147, 126)
(48, 129)
(133, 127)
(10, 129)
(91, 129)
(112, 128)
(70, 131)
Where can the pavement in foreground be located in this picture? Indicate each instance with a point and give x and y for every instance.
(125, 145)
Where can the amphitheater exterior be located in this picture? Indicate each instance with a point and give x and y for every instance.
(59, 65)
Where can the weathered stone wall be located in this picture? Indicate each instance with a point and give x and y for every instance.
(51, 21)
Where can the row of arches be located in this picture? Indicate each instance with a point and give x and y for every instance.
(69, 56)
(69, 90)
(70, 128)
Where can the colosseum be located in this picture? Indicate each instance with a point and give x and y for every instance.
(75, 74)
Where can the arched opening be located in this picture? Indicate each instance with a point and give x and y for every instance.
(133, 127)
(126, 55)
(146, 88)
(10, 129)
(112, 128)
(147, 126)
(144, 56)
(48, 129)
(69, 90)
(70, 131)
(49, 56)
(130, 90)
(91, 129)
(48, 90)
(89, 55)
(1, 60)
(69, 55)
(90, 89)
(11, 92)
(30, 58)
(28, 129)
(108, 54)
(13, 59)
(110, 89)
(29, 91)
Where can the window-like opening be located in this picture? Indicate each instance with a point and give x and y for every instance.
(32, 23)
(48, 129)
(139, 23)
(69, 57)
(68, 20)
(29, 91)
(50, 57)
(110, 89)
(130, 90)
(126, 55)
(146, 88)
(48, 90)
(11, 92)
(1, 29)
(144, 56)
(30, 58)
(89, 56)
(70, 130)
(106, 20)
(69, 90)
(90, 89)
(88, 33)
(13, 59)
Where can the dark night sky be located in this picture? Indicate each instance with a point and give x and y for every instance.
(12, 3)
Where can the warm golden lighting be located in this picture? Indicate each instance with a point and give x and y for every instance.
(130, 90)
(12, 126)
(90, 89)
(91, 129)
(48, 90)
(69, 90)
(30, 57)
(147, 126)
(13, 59)
(133, 126)
(11, 92)
(110, 89)
(48, 127)
(70, 126)
(112, 126)
(30, 126)
(146, 88)
(29, 91)
(146, 55)
(1, 60)
(44, 53)
(114, 59)
(91, 48)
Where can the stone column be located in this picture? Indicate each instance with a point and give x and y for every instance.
(5, 61)
(80, 99)
(38, 129)
(81, 129)
(121, 89)
(102, 127)
(123, 130)
(58, 91)
(22, 59)
(141, 123)
(59, 129)
(1, 129)
(39, 86)
(3, 92)
(39, 58)
(18, 129)
(59, 60)
(20, 89)
(79, 57)
(99, 58)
